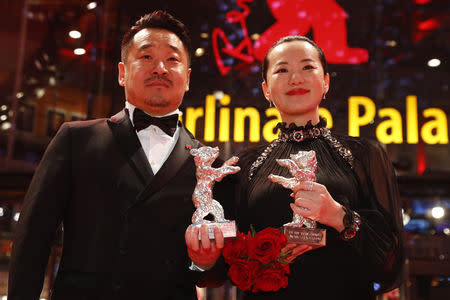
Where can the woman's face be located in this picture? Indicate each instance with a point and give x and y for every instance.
(295, 81)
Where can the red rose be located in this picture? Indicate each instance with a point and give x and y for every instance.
(255, 262)
(266, 245)
(235, 249)
(285, 267)
(271, 279)
(242, 273)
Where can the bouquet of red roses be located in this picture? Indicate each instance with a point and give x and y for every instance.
(256, 262)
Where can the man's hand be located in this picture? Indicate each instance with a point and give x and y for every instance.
(205, 252)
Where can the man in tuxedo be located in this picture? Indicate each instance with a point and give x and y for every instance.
(122, 187)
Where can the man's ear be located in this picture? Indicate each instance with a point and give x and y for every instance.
(121, 77)
(188, 79)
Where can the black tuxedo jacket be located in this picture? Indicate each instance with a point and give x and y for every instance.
(123, 226)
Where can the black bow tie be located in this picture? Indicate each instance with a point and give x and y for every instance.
(167, 124)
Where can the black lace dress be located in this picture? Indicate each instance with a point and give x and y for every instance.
(362, 181)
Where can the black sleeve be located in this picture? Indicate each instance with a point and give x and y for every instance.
(380, 238)
(40, 216)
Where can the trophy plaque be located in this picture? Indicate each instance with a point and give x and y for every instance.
(303, 167)
(203, 197)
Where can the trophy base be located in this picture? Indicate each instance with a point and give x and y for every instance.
(302, 235)
(228, 229)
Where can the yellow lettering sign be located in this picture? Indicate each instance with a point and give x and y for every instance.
(224, 119)
(268, 128)
(361, 112)
(390, 131)
(240, 114)
(412, 122)
(354, 119)
(438, 126)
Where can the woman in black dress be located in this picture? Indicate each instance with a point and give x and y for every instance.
(355, 197)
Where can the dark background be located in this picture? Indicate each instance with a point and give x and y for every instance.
(40, 77)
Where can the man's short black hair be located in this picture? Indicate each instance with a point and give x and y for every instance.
(161, 20)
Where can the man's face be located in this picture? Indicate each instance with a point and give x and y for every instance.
(156, 73)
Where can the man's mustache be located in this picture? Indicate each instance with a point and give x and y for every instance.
(157, 78)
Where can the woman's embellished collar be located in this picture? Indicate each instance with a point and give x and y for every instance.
(295, 133)
(300, 133)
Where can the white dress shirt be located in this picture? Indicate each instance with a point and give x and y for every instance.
(156, 144)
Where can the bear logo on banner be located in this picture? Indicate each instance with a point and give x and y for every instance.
(325, 18)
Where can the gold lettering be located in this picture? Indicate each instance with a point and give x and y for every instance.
(394, 123)
(239, 124)
(325, 113)
(268, 133)
(354, 119)
(210, 118)
(389, 130)
(412, 122)
(439, 124)
(224, 119)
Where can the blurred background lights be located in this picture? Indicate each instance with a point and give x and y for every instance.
(391, 43)
(218, 95)
(204, 35)
(199, 52)
(75, 34)
(39, 92)
(254, 36)
(16, 216)
(38, 64)
(3, 107)
(79, 51)
(5, 126)
(376, 286)
(446, 231)
(19, 95)
(2, 212)
(92, 5)
(406, 217)
(3, 117)
(52, 81)
(434, 62)
(437, 212)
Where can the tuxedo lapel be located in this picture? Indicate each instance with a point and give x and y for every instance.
(130, 146)
(176, 160)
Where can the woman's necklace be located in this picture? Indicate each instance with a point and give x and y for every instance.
(299, 134)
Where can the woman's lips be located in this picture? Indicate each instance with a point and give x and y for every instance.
(297, 92)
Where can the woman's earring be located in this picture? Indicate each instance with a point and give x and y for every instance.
(324, 96)
(270, 104)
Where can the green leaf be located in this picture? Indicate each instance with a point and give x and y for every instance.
(252, 230)
(285, 254)
(283, 261)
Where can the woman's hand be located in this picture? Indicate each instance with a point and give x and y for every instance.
(295, 249)
(313, 201)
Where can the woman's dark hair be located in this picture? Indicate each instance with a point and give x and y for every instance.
(291, 38)
(161, 20)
